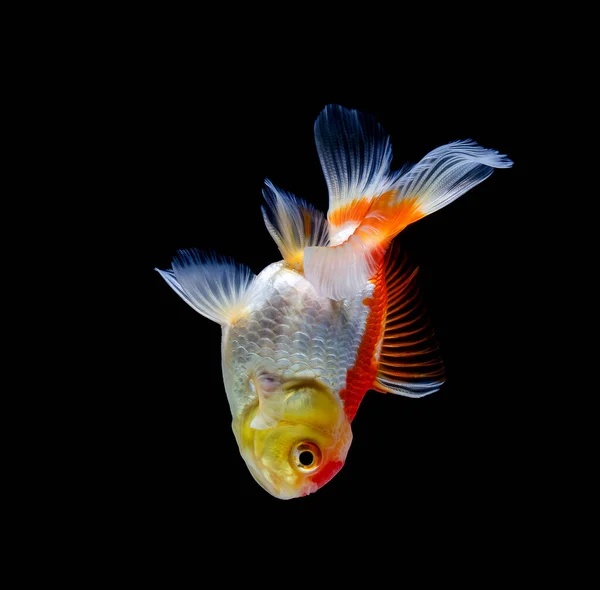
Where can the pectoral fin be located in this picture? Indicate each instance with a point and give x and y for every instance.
(217, 288)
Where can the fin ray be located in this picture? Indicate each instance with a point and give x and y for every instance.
(216, 287)
(409, 360)
(355, 154)
(293, 224)
(369, 205)
(448, 172)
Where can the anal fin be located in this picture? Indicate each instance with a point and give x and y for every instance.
(409, 360)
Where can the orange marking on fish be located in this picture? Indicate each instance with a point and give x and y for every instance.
(361, 377)
(387, 218)
(353, 211)
(307, 223)
(328, 471)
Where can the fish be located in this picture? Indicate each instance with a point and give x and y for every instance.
(340, 314)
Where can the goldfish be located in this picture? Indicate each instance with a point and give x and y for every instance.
(340, 314)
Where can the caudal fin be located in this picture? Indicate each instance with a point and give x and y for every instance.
(369, 205)
(448, 172)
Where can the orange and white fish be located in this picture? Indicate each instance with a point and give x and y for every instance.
(304, 340)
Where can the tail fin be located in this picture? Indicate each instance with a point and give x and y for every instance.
(355, 154)
(448, 172)
(369, 205)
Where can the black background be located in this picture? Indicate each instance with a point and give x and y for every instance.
(194, 148)
(155, 132)
(203, 173)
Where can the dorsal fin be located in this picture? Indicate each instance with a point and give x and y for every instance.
(409, 361)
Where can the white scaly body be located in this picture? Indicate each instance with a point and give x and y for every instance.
(293, 332)
(305, 339)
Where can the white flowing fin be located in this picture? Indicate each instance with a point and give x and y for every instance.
(341, 271)
(446, 173)
(369, 206)
(216, 287)
(293, 224)
(355, 154)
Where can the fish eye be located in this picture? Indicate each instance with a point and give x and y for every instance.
(306, 457)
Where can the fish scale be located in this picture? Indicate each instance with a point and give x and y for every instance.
(304, 340)
(293, 332)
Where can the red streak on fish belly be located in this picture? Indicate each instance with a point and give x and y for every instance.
(361, 377)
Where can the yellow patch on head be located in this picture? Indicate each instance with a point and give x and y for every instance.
(312, 431)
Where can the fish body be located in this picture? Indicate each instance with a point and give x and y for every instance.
(304, 340)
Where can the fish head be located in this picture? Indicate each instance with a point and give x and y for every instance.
(295, 438)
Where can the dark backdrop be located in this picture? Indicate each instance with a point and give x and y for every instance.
(196, 148)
